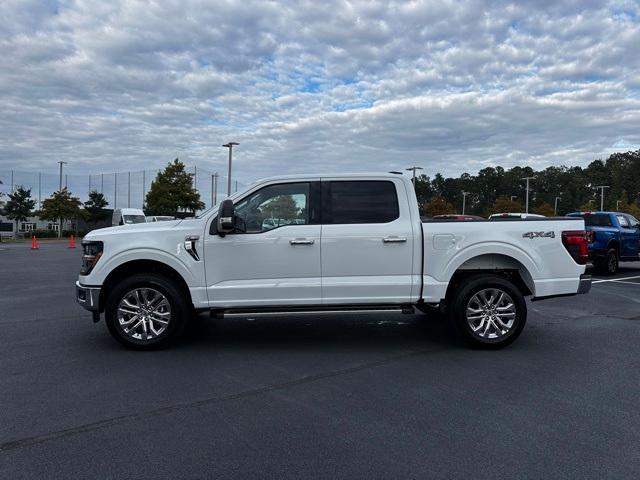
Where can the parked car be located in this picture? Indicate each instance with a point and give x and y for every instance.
(522, 216)
(614, 237)
(127, 216)
(159, 218)
(377, 255)
(457, 217)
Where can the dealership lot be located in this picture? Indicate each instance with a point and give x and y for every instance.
(358, 396)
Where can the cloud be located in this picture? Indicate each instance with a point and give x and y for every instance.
(316, 86)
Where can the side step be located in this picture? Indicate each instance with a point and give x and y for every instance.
(315, 310)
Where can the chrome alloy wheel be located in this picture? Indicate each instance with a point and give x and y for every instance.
(491, 313)
(144, 313)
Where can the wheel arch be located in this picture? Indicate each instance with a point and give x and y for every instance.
(498, 264)
(131, 267)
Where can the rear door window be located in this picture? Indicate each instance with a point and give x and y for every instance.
(366, 201)
(622, 220)
(597, 221)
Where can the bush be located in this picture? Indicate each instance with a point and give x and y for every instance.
(43, 233)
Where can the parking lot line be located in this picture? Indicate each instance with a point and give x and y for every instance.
(616, 279)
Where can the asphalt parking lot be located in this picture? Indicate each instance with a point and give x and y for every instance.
(384, 396)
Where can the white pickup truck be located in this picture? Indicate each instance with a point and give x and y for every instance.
(337, 243)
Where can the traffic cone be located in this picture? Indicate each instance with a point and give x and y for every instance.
(72, 241)
(34, 243)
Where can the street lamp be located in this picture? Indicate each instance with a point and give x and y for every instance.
(464, 200)
(526, 208)
(555, 206)
(230, 147)
(413, 179)
(60, 189)
(618, 205)
(602, 187)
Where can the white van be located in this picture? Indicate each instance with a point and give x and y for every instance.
(127, 216)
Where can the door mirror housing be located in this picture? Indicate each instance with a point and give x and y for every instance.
(225, 217)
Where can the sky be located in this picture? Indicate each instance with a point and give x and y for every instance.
(317, 86)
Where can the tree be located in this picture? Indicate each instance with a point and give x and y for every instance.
(19, 206)
(59, 207)
(438, 206)
(282, 206)
(94, 207)
(506, 205)
(544, 209)
(172, 191)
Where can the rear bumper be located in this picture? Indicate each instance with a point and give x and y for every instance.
(585, 283)
(583, 287)
(88, 297)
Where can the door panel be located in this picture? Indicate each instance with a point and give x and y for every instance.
(273, 256)
(365, 262)
(265, 268)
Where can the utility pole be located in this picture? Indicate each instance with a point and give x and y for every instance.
(12, 182)
(513, 196)
(413, 178)
(527, 179)
(618, 205)
(39, 190)
(101, 182)
(115, 190)
(555, 206)
(602, 187)
(230, 147)
(464, 200)
(129, 191)
(195, 178)
(60, 189)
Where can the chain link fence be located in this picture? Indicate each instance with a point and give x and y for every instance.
(121, 189)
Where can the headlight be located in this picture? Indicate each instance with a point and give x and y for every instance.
(91, 253)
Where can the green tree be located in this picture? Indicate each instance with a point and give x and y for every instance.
(438, 206)
(544, 209)
(19, 206)
(94, 207)
(59, 207)
(504, 204)
(172, 191)
(282, 206)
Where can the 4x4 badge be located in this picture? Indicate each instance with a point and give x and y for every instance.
(533, 235)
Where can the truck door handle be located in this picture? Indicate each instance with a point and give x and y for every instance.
(302, 241)
(394, 239)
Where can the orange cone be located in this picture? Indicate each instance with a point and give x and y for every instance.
(34, 243)
(72, 242)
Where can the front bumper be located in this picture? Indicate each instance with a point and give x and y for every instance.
(88, 297)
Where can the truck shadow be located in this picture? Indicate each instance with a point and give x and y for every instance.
(351, 330)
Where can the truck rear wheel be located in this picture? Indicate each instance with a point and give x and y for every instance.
(488, 311)
(609, 264)
(146, 312)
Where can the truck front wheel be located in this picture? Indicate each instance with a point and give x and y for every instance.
(488, 310)
(146, 311)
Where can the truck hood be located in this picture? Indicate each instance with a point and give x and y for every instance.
(142, 228)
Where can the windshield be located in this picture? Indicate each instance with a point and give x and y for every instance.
(129, 219)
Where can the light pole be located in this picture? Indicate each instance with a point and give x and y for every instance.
(555, 206)
(413, 179)
(60, 189)
(602, 187)
(214, 189)
(464, 200)
(513, 196)
(526, 202)
(230, 147)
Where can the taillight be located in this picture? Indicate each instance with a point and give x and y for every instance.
(577, 244)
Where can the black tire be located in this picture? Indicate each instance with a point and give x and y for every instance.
(477, 287)
(608, 265)
(178, 311)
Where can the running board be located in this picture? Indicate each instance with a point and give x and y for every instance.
(316, 310)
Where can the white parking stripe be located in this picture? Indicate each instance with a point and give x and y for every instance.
(616, 279)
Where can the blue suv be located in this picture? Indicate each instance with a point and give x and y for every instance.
(613, 237)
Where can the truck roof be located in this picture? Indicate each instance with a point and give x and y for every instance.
(332, 175)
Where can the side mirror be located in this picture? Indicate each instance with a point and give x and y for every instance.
(225, 217)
